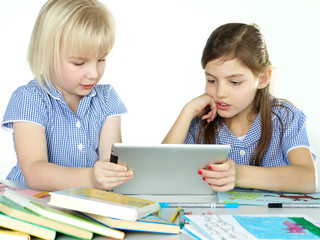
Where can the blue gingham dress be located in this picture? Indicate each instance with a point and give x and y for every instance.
(295, 135)
(72, 139)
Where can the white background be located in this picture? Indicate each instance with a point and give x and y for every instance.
(155, 64)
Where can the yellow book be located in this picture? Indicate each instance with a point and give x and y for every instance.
(149, 223)
(66, 217)
(12, 209)
(103, 203)
(13, 235)
(26, 227)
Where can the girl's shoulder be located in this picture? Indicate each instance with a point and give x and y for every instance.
(108, 99)
(280, 105)
(104, 89)
(105, 93)
(286, 110)
(32, 89)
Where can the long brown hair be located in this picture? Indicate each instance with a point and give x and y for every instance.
(245, 43)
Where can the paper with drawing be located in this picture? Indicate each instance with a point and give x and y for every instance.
(221, 227)
(262, 198)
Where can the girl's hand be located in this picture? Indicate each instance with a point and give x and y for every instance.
(220, 176)
(107, 175)
(204, 106)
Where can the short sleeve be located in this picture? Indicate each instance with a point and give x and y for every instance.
(25, 105)
(295, 134)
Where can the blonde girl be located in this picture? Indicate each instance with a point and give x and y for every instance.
(64, 122)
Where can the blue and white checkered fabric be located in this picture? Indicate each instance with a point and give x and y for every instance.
(294, 136)
(72, 139)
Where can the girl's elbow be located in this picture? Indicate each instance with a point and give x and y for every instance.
(311, 184)
(314, 182)
(31, 182)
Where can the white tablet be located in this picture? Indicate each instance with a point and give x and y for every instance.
(167, 168)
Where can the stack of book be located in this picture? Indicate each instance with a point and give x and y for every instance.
(79, 212)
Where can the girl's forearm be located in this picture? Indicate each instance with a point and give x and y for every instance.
(51, 177)
(291, 178)
(179, 130)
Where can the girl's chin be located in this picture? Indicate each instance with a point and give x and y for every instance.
(224, 114)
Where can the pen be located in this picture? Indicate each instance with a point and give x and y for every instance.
(174, 216)
(294, 205)
(198, 205)
(181, 219)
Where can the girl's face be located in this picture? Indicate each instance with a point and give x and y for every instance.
(233, 87)
(79, 75)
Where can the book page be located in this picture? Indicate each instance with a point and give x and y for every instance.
(251, 227)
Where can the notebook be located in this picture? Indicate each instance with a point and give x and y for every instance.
(167, 168)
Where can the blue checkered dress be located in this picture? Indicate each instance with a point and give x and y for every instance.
(294, 136)
(72, 139)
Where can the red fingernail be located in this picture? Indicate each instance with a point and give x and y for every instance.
(203, 178)
(200, 172)
(209, 167)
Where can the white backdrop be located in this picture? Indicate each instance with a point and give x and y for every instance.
(155, 64)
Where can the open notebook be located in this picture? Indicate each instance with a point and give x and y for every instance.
(167, 168)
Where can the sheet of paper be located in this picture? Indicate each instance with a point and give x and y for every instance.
(262, 198)
(220, 227)
(252, 227)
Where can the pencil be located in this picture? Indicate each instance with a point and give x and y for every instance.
(174, 216)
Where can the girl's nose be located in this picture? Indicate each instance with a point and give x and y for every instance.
(92, 71)
(221, 91)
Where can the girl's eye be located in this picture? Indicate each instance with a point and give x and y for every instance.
(236, 83)
(101, 60)
(78, 63)
(211, 80)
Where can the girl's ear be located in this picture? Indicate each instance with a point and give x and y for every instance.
(264, 79)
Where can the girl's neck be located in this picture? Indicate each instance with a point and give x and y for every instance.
(71, 99)
(73, 102)
(240, 125)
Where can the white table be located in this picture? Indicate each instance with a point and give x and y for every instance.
(168, 212)
(242, 210)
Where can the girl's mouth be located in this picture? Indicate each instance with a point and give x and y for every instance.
(87, 87)
(222, 106)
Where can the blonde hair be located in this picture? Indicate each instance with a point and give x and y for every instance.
(82, 27)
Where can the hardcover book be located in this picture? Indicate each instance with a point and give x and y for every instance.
(103, 203)
(12, 209)
(66, 217)
(149, 223)
(26, 227)
(13, 235)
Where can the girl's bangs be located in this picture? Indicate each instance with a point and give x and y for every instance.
(88, 41)
(88, 45)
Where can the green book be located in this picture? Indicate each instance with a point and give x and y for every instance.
(12, 209)
(66, 217)
(26, 227)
